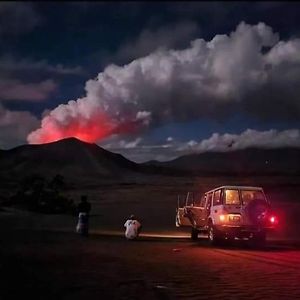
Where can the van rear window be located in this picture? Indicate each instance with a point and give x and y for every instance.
(232, 197)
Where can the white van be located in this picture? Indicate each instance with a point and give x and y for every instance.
(228, 212)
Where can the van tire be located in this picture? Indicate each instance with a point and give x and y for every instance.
(214, 236)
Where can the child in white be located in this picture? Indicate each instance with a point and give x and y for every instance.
(133, 227)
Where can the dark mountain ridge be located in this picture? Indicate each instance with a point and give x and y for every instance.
(238, 162)
(70, 157)
(85, 163)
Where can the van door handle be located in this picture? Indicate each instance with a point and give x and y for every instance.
(216, 211)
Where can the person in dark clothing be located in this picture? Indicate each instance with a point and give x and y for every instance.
(84, 208)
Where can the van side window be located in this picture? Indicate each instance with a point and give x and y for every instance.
(197, 199)
(209, 198)
(190, 199)
(203, 200)
(217, 197)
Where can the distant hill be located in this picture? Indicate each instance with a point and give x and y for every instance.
(72, 158)
(85, 164)
(240, 162)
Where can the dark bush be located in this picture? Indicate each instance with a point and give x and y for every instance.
(35, 193)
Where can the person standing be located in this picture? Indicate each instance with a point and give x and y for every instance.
(133, 228)
(84, 208)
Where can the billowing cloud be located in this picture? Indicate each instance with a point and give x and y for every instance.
(247, 139)
(130, 145)
(140, 150)
(249, 70)
(15, 126)
(85, 124)
(13, 89)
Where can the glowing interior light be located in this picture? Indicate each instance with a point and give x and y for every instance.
(222, 218)
(272, 219)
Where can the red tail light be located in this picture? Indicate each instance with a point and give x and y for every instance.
(273, 220)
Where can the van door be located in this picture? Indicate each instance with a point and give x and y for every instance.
(195, 211)
(217, 208)
(206, 210)
(201, 210)
(181, 218)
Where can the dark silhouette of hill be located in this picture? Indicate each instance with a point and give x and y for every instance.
(75, 160)
(85, 164)
(251, 161)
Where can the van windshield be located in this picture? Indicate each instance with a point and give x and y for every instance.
(249, 195)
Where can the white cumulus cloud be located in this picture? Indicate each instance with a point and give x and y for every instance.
(246, 70)
(141, 150)
(249, 138)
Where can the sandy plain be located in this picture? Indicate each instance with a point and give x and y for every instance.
(43, 258)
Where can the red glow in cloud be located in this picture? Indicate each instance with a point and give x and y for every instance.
(90, 130)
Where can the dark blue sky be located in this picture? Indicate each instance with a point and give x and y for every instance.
(49, 50)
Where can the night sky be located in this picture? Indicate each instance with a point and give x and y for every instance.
(151, 80)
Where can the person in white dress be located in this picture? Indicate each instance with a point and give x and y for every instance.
(133, 228)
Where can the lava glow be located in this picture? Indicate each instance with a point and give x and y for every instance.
(89, 130)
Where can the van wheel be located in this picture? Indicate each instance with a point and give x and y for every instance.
(194, 234)
(214, 236)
